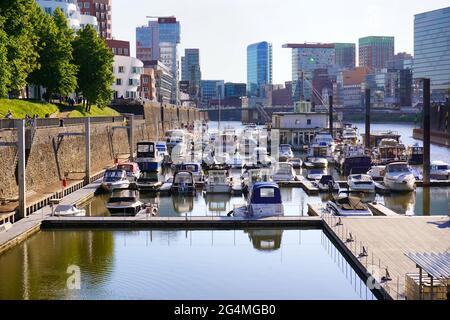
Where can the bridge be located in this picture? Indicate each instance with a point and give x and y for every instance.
(257, 114)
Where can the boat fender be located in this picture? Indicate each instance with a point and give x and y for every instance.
(229, 214)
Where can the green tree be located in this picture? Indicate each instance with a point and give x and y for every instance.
(5, 74)
(57, 71)
(22, 41)
(95, 62)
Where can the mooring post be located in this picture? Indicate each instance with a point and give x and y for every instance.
(131, 134)
(331, 115)
(426, 132)
(87, 141)
(367, 133)
(20, 126)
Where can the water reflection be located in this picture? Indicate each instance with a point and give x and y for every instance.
(146, 265)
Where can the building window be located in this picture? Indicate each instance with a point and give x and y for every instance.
(118, 81)
(86, 5)
(121, 69)
(120, 50)
(125, 51)
(145, 80)
(308, 122)
(48, 10)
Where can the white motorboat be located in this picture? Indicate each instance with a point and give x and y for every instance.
(124, 203)
(297, 163)
(328, 184)
(132, 170)
(390, 150)
(183, 183)
(260, 157)
(284, 171)
(114, 179)
(148, 210)
(348, 207)
(318, 163)
(285, 152)
(440, 170)
(398, 177)
(361, 183)
(349, 135)
(69, 210)
(315, 174)
(193, 167)
(218, 181)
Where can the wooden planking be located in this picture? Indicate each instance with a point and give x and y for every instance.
(390, 238)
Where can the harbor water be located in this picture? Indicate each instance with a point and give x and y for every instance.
(241, 264)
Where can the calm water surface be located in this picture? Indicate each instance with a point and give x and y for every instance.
(250, 264)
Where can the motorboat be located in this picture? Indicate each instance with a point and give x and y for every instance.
(378, 135)
(183, 183)
(315, 174)
(264, 200)
(415, 154)
(325, 139)
(360, 183)
(284, 171)
(235, 161)
(389, 150)
(178, 153)
(349, 135)
(149, 181)
(318, 163)
(166, 186)
(148, 209)
(218, 181)
(124, 203)
(132, 170)
(352, 159)
(115, 179)
(440, 170)
(148, 157)
(348, 207)
(69, 210)
(162, 152)
(253, 176)
(193, 167)
(297, 163)
(328, 184)
(260, 158)
(377, 172)
(174, 137)
(286, 152)
(398, 177)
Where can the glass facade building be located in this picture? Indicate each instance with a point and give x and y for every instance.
(235, 90)
(259, 67)
(376, 52)
(159, 40)
(345, 55)
(190, 70)
(211, 89)
(305, 59)
(432, 50)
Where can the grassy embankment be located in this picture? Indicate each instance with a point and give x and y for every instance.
(20, 108)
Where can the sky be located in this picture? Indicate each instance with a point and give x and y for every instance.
(222, 29)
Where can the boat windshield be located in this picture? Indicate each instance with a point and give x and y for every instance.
(183, 178)
(113, 174)
(326, 179)
(126, 167)
(316, 171)
(442, 167)
(398, 168)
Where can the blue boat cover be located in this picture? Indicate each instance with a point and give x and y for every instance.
(265, 193)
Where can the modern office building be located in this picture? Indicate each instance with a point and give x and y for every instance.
(212, 89)
(235, 90)
(159, 40)
(349, 87)
(375, 52)
(345, 55)
(306, 58)
(259, 67)
(401, 61)
(75, 18)
(432, 50)
(127, 73)
(163, 80)
(119, 47)
(102, 10)
(191, 72)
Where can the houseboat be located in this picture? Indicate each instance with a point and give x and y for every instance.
(377, 136)
(115, 179)
(389, 150)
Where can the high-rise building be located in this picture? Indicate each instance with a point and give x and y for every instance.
(159, 41)
(306, 58)
(212, 89)
(163, 80)
(345, 55)
(102, 10)
(375, 52)
(75, 17)
(401, 61)
(119, 47)
(235, 90)
(432, 50)
(349, 87)
(259, 67)
(190, 71)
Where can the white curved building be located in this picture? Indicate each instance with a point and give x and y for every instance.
(127, 73)
(73, 14)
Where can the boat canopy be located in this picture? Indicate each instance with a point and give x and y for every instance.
(183, 177)
(326, 179)
(265, 193)
(193, 167)
(350, 203)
